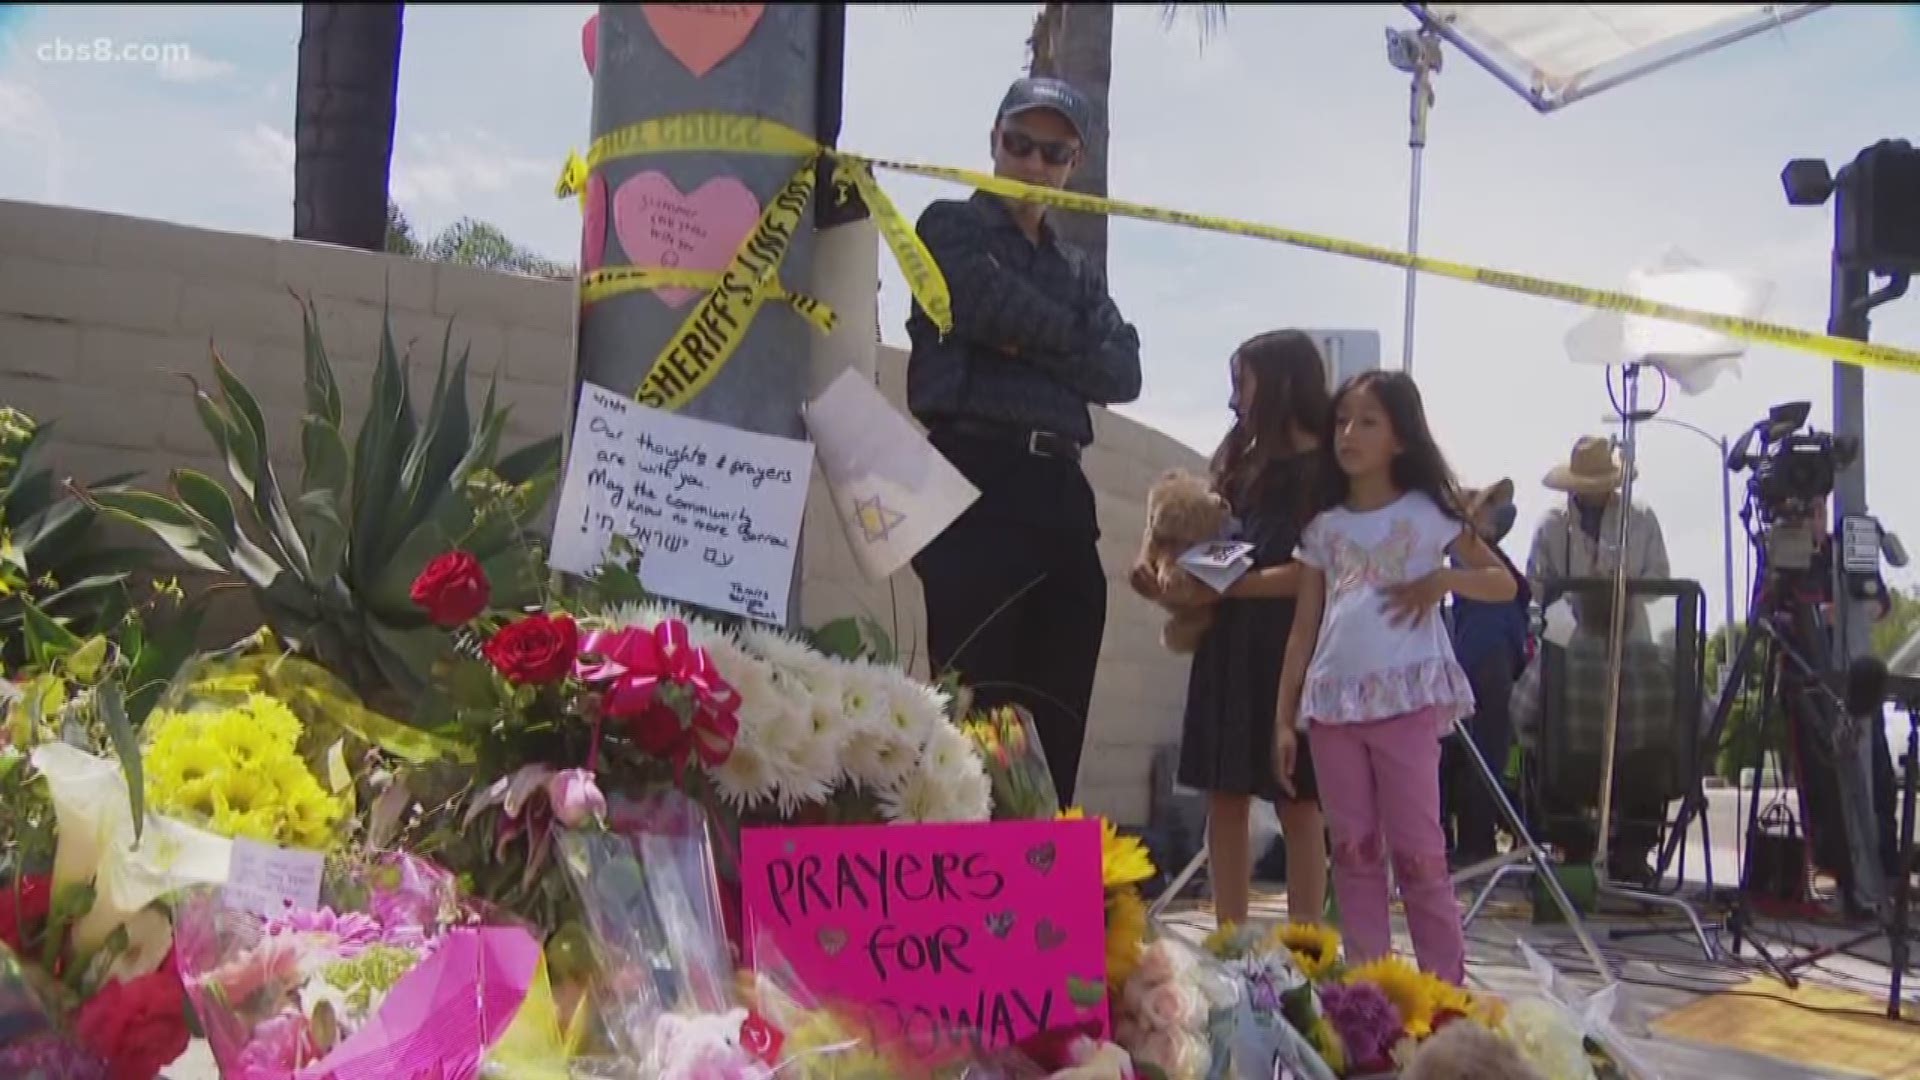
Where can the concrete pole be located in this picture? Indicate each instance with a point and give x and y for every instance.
(775, 74)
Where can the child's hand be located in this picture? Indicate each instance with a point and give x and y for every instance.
(1411, 602)
(1286, 747)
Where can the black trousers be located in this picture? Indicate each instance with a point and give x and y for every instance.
(1016, 597)
(1470, 811)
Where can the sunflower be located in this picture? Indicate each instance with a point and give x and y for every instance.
(1414, 993)
(1123, 859)
(1126, 929)
(1315, 948)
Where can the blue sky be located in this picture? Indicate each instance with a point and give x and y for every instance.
(1292, 117)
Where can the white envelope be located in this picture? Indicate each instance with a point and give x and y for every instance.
(891, 489)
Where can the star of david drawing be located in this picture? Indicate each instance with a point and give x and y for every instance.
(877, 519)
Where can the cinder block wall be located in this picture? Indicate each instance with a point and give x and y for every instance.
(101, 316)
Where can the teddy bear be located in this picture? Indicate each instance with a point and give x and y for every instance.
(1182, 510)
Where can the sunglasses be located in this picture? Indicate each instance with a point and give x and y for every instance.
(1020, 144)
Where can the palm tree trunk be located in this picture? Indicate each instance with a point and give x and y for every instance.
(1075, 42)
(343, 122)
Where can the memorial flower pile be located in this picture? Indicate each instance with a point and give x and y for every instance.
(615, 693)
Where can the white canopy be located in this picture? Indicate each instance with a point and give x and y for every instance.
(1555, 54)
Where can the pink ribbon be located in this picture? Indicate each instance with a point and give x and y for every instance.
(630, 666)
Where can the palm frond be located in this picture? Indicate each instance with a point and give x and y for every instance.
(1209, 19)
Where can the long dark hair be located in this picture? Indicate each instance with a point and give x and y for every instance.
(1289, 391)
(1420, 466)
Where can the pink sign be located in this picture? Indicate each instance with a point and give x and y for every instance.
(660, 226)
(947, 938)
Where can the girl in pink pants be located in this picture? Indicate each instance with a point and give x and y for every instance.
(1370, 673)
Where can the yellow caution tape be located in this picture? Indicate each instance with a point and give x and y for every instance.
(747, 135)
(712, 331)
(573, 179)
(924, 279)
(614, 281)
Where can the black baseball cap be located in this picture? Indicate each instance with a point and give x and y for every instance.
(1027, 95)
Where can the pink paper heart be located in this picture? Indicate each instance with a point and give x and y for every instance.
(661, 226)
(590, 41)
(702, 35)
(593, 229)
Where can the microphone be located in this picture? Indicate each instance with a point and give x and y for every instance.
(1866, 687)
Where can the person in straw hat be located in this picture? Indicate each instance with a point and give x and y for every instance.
(1582, 538)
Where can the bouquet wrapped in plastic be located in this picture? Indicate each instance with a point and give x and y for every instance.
(665, 982)
(1176, 1013)
(1016, 765)
(31, 1041)
(392, 978)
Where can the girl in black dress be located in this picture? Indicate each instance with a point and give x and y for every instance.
(1264, 468)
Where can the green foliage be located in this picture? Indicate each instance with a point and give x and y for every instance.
(468, 242)
(1736, 750)
(50, 557)
(331, 562)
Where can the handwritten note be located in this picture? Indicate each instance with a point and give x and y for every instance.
(948, 939)
(272, 881)
(714, 511)
(661, 226)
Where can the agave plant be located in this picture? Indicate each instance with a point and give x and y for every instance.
(331, 564)
(49, 555)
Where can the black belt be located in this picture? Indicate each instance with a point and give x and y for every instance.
(1045, 444)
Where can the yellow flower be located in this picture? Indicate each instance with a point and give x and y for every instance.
(1126, 932)
(1224, 942)
(1315, 948)
(239, 771)
(1415, 993)
(1123, 859)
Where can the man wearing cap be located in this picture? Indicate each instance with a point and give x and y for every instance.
(1016, 596)
(1582, 538)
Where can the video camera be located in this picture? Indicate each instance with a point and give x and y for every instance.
(1794, 470)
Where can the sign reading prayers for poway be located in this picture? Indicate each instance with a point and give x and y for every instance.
(946, 939)
(713, 510)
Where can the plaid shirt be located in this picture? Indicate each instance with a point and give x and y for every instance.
(1036, 338)
(1647, 693)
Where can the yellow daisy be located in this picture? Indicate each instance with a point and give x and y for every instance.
(1413, 992)
(1123, 859)
(1126, 931)
(1315, 948)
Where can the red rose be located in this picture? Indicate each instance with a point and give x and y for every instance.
(452, 589)
(139, 1025)
(23, 904)
(537, 649)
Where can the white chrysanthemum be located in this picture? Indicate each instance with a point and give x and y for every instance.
(644, 615)
(806, 775)
(949, 752)
(877, 759)
(916, 798)
(865, 698)
(746, 778)
(966, 796)
(914, 709)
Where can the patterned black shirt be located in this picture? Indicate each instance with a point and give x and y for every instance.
(1035, 339)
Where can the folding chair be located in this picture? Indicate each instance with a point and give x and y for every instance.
(1658, 759)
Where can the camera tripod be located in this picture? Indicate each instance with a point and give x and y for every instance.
(1896, 927)
(1784, 623)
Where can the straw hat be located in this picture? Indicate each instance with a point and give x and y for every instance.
(1483, 507)
(1592, 469)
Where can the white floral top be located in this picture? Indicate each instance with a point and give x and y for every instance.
(1364, 667)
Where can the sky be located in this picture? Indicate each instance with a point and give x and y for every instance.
(1290, 116)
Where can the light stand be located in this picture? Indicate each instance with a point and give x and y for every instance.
(1630, 420)
(1416, 52)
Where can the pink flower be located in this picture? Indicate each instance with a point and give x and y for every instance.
(273, 965)
(1158, 963)
(576, 797)
(279, 1047)
(351, 932)
(1172, 1007)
